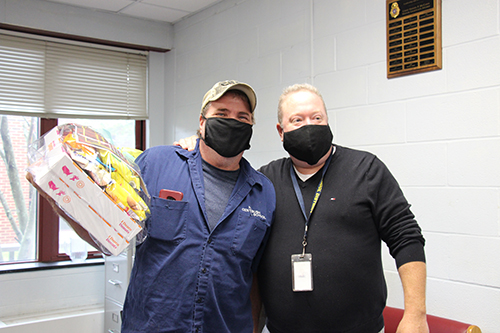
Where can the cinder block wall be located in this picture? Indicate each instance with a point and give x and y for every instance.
(439, 132)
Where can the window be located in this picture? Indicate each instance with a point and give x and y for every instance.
(18, 198)
(43, 83)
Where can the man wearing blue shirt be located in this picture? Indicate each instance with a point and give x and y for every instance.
(194, 272)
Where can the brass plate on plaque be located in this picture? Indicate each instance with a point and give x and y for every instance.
(413, 36)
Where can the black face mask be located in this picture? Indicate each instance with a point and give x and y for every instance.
(228, 137)
(308, 143)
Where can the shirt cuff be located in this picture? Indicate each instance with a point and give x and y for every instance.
(411, 252)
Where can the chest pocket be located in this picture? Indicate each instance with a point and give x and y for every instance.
(249, 233)
(168, 220)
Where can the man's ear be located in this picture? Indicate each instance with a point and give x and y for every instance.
(280, 131)
(202, 122)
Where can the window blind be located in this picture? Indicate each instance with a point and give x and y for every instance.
(53, 80)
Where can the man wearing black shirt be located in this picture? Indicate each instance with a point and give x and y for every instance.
(322, 268)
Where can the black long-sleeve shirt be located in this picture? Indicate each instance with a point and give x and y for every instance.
(360, 204)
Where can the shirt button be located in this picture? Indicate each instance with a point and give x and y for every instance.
(209, 241)
(204, 270)
(199, 300)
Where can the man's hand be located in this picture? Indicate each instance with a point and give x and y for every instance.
(187, 143)
(413, 324)
(413, 278)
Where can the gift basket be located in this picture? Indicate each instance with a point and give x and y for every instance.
(91, 183)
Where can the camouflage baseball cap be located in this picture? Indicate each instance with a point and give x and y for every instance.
(220, 88)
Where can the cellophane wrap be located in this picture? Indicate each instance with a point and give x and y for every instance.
(93, 183)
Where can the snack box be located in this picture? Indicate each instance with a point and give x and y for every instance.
(82, 212)
(75, 192)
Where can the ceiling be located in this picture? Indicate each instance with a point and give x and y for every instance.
(161, 10)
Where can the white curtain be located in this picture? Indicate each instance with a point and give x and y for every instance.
(52, 79)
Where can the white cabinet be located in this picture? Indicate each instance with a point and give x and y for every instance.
(112, 319)
(117, 274)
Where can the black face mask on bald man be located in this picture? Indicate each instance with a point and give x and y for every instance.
(308, 143)
(228, 137)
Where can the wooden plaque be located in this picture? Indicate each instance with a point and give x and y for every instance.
(413, 36)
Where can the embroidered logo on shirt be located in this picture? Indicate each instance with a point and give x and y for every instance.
(254, 212)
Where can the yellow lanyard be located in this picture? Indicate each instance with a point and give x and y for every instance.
(298, 193)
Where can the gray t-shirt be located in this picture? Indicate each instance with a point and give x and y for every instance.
(219, 185)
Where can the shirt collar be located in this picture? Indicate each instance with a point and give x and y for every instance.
(245, 168)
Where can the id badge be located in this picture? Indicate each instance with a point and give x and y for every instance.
(302, 279)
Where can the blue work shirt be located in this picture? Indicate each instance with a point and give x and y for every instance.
(187, 278)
